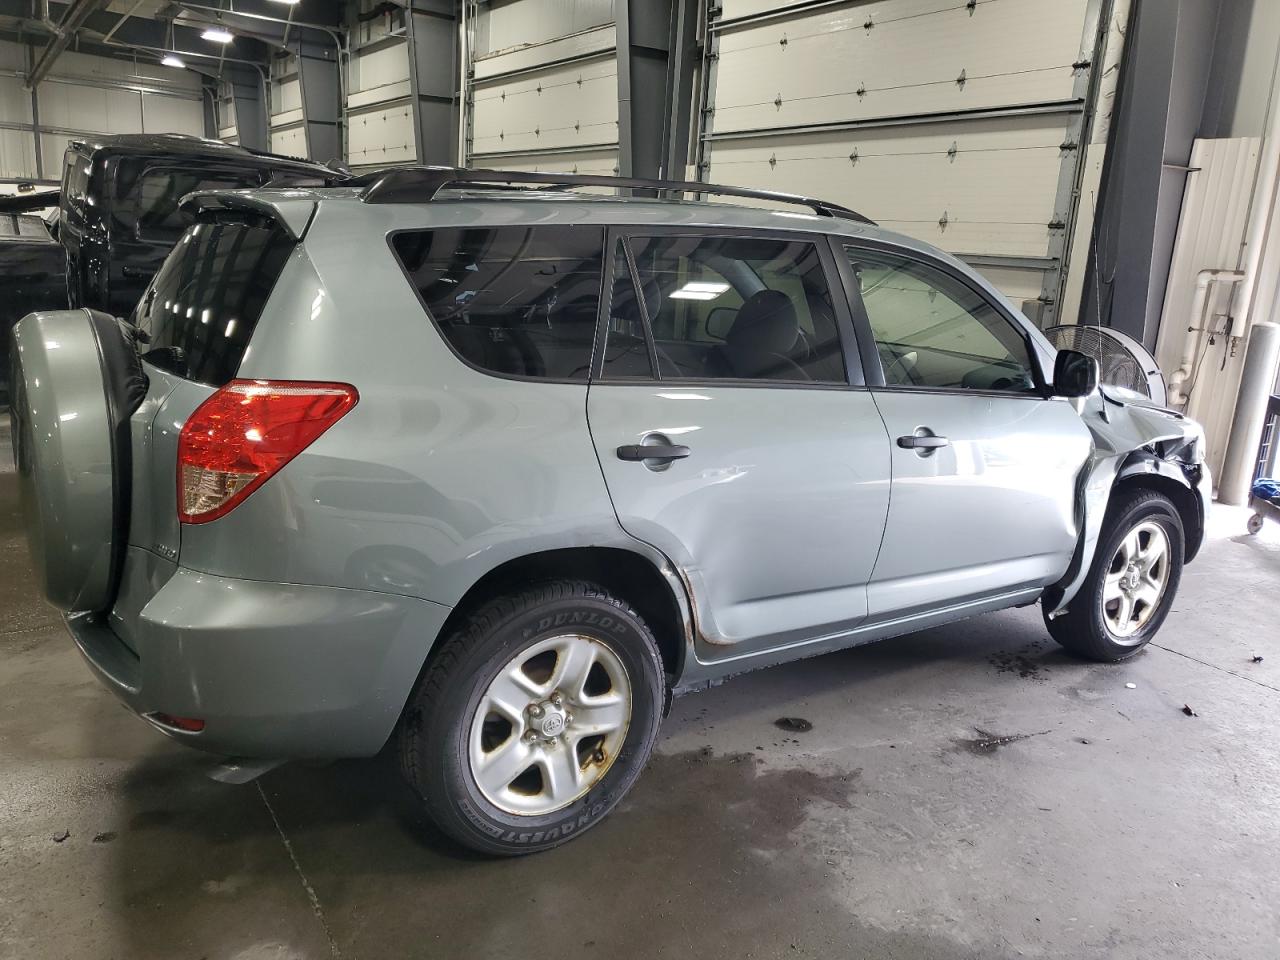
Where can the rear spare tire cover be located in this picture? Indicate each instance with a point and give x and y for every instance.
(76, 380)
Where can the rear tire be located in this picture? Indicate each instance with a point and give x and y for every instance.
(534, 718)
(1131, 583)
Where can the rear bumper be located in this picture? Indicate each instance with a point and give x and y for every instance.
(277, 671)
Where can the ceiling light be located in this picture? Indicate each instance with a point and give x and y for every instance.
(699, 290)
(290, 2)
(218, 35)
(169, 60)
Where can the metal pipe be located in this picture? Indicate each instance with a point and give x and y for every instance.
(1200, 321)
(184, 53)
(1256, 381)
(75, 16)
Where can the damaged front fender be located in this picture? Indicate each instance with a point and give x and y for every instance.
(1134, 441)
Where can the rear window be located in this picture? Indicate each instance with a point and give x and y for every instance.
(202, 306)
(145, 201)
(516, 301)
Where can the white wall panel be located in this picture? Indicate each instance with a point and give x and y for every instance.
(996, 193)
(381, 136)
(570, 105)
(287, 96)
(17, 154)
(52, 147)
(75, 106)
(15, 101)
(162, 114)
(811, 67)
(290, 141)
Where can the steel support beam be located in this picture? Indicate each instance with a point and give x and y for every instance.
(433, 39)
(318, 76)
(72, 19)
(644, 31)
(248, 104)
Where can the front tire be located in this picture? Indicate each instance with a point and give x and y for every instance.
(534, 719)
(1132, 582)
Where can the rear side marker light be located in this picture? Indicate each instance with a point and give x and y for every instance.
(242, 435)
(184, 724)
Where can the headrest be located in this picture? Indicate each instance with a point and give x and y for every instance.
(766, 323)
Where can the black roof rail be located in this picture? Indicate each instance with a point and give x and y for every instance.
(422, 184)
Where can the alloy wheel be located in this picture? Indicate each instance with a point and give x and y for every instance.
(550, 725)
(1136, 580)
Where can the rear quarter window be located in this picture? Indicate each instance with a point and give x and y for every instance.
(201, 309)
(514, 301)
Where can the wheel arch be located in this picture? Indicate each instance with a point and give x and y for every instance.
(1138, 469)
(651, 587)
(1142, 469)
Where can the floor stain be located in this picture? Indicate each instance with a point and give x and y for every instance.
(793, 724)
(988, 743)
(1027, 661)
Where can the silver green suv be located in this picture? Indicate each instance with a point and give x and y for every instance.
(496, 471)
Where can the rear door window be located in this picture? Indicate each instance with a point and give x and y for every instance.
(727, 307)
(515, 301)
(203, 305)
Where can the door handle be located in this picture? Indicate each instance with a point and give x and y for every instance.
(922, 443)
(652, 451)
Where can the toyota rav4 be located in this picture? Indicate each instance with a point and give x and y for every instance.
(493, 467)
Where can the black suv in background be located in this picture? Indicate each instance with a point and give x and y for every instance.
(118, 212)
(117, 220)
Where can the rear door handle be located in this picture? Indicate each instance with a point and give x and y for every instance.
(922, 443)
(652, 451)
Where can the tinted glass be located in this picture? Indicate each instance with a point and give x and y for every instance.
(75, 176)
(145, 201)
(733, 307)
(626, 354)
(932, 330)
(202, 307)
(517, 301)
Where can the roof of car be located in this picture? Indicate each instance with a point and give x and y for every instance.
(179, 144)
(456, 205)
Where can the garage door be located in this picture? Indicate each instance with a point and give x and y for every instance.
(543, 93)
(956, 121)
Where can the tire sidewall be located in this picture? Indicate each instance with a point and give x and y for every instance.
(451, 789)
(1161, 511)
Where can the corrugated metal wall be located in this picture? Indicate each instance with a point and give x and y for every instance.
(543, 94)
(956, 122)
(87, 95)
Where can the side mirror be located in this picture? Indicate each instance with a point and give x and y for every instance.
(1075, 374)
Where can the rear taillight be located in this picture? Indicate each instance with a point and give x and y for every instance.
(244, 433)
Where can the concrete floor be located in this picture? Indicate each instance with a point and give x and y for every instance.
(1116, 827)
